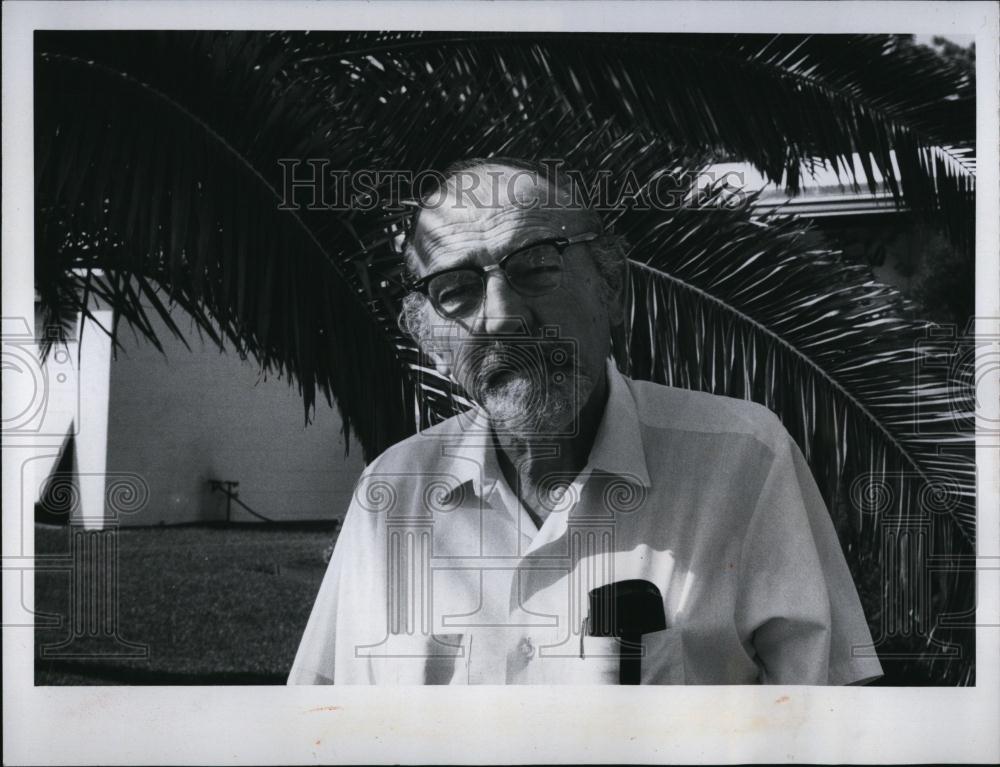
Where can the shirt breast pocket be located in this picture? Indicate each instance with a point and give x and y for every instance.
(663, 657)
(662, 660)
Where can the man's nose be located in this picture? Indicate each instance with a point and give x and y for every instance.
(504, 310)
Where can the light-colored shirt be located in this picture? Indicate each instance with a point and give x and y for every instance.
(440, 576)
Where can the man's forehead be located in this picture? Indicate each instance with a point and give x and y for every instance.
(497, 185)
(492, 205)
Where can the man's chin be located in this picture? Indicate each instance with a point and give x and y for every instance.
(516, 408)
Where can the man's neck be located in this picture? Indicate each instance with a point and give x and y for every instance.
(547, 462)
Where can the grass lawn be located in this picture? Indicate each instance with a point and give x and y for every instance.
(213, 604)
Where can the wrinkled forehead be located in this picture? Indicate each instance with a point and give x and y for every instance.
(491, 208)
(495, 185)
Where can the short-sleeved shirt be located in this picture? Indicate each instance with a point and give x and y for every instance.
(440, 575)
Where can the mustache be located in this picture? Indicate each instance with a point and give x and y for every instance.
(534, 370)
(523, 355)
(499, 355)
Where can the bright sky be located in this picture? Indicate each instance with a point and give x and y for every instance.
(964, 40)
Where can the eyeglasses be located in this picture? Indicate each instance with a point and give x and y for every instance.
(533, 270)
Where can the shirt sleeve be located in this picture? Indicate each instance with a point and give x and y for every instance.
(349, 612)
(797, 605)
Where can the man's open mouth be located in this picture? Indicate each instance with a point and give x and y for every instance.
(497, 376)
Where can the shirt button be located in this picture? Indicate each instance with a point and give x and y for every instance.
(527, 649)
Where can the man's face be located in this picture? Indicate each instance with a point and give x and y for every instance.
(504, 354)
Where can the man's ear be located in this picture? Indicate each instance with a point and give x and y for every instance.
(412, 323)
(616, 311)
(616, 298)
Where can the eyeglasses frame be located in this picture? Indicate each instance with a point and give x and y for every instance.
(561, 244)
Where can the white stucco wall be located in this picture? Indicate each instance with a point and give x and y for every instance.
(190, 416)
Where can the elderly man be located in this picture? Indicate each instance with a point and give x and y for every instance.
(576, 526)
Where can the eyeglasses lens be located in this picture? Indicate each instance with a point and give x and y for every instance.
(457, 293)
(535, 271)
(532, 272)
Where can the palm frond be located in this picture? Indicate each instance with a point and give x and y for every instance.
(778, 101)
(729, 305)
(158, 181)
(144, 175)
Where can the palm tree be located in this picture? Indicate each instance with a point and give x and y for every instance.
(159, 180)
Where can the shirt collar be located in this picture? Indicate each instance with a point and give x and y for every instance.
(617, 448)
(472, 457)
(618, 445)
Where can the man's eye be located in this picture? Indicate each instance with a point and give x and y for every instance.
(457, 293)
(456, 290)
(541, 269)
(544, 257)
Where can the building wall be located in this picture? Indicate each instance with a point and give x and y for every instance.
(182, 419)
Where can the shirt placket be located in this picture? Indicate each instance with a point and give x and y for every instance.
(540, 653)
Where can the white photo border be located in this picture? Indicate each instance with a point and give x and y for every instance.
(278, 725)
